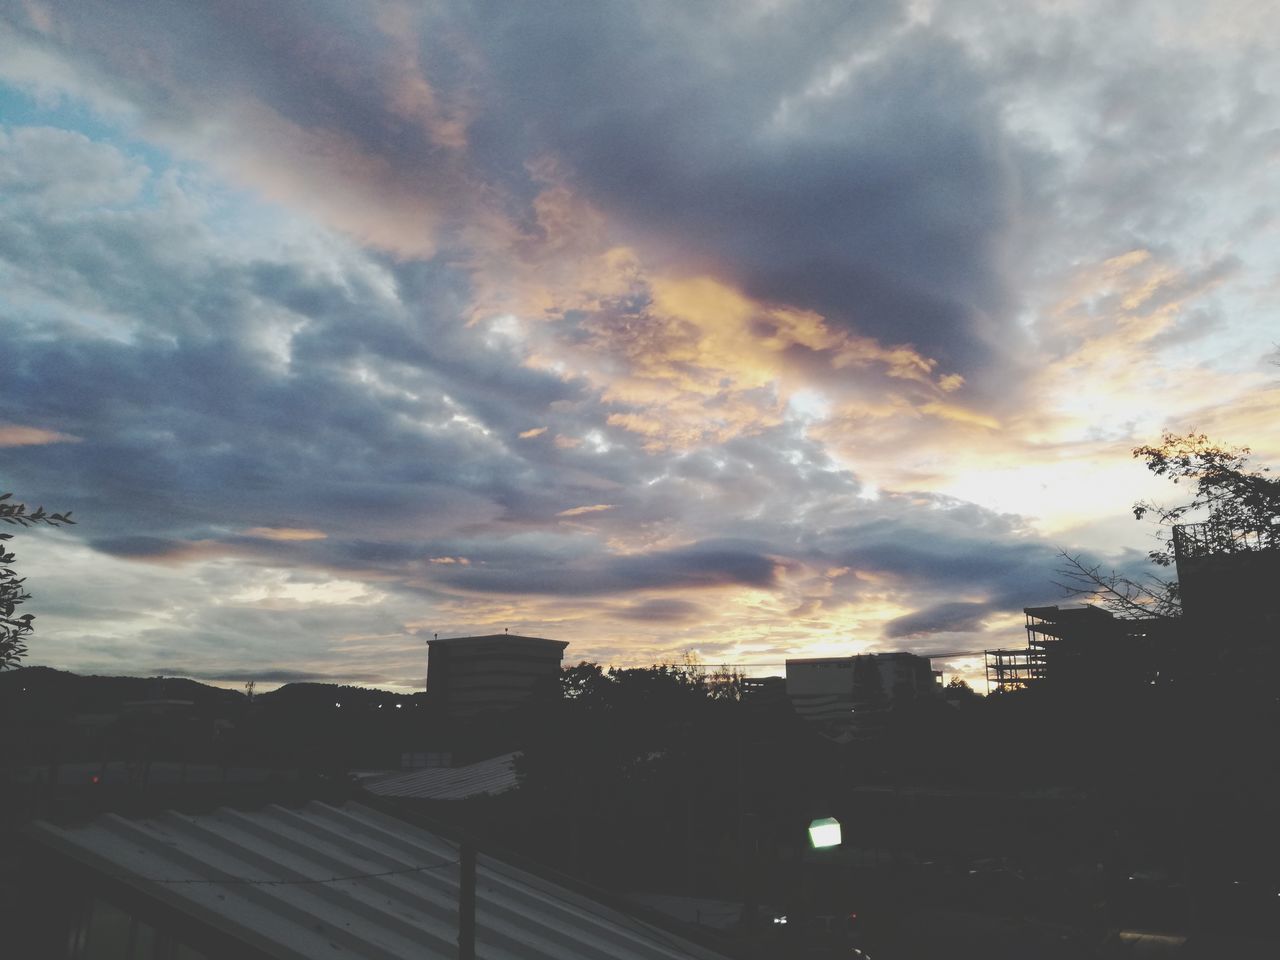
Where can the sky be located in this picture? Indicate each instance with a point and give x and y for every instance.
(740, 331)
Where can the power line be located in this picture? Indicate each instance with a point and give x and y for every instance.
(782, 663)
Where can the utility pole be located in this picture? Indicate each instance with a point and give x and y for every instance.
(466, 899)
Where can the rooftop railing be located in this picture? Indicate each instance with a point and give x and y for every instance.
(1194, 540)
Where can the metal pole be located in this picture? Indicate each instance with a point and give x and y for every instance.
(466, 900)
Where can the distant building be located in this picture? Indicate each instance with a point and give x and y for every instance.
(469, 676)
(765, 694)
(849, 697)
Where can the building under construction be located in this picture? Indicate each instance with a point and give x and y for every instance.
(1227, 583)
(1080, 647)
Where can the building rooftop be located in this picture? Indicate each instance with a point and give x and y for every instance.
(348, 882)
(499, 636)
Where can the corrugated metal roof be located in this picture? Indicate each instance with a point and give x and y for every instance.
(160, 771)
(352, 882)
(486, 778)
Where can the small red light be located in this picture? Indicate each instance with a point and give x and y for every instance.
(95, 779)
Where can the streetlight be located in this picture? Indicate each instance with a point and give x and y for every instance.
(824, 833)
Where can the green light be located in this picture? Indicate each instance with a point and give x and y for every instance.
(824, 833)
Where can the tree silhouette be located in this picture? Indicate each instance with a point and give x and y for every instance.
(1234, 500)
(15, 629)
(1232, 497)
(1122, 595)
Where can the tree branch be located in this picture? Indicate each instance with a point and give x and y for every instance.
(1121, 595)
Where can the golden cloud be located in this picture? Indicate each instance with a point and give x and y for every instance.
(15, 435)
(579, 511)
(285, 533)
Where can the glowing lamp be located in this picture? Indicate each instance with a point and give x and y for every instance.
(824, 833)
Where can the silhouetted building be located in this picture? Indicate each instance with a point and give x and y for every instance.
(1081, 648)
(468, 676)
(1227, 580)
(765, 694)
(849, 697)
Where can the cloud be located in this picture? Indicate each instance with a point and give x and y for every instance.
(15, 435)
(51, 169)
(579, 511)
(940, 618)
(285, 533)
(820, 161)
(663, 610)
(848, 315)
(160, 549)
(701, 566)
(332, 112)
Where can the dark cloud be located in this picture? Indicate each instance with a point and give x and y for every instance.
(701, 566)
(838, 160)
(945, 560)
(833, 161)
(662, 610)
(137, 547)
(246, 392)
(940, 618)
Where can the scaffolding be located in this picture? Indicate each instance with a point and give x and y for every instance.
(1195, 541)
(1075, 646)
(1014, 669)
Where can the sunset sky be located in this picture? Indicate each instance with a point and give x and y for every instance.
(749, 330)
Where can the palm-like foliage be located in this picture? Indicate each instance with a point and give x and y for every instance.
(15, 629)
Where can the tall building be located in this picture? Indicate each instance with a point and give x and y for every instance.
(1227, 580)
(469, 676)
(849, 697)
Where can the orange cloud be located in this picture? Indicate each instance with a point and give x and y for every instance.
(535, 432)
(409, 95)
(959, 414)
(15, 435)
(579, 511)
(285, 533)
(325, 172)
